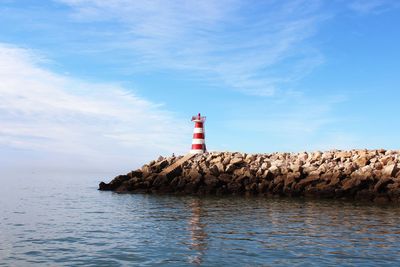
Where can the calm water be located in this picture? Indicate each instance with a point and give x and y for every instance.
(53, 220)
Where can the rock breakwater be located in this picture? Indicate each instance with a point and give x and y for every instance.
(357, 174)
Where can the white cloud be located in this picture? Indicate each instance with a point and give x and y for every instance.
(373, 6)
(58, 116)
(255, 48)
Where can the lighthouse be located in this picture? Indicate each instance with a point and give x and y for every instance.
(198, 143)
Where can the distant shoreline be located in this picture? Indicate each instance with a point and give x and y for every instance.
(372, 175)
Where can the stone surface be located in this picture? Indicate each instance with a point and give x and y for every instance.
(358, 174)
(390, 170)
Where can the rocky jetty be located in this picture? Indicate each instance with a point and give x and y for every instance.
(372, 175)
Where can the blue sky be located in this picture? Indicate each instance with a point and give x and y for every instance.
(103, 85)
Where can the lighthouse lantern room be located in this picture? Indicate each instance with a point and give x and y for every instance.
(198, 143)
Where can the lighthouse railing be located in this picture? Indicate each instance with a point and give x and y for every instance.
(196, 118)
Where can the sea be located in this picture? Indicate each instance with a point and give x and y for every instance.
(63, 220)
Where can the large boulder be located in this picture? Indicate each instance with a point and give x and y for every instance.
(194, 175)
(268, 175)
(105, 187)
(220, 167)
(343, 154)
(381, 185)
(306, 181)
(210, 180)
(316, 156)
(237, 161)
(266, 165)
(136, 173)
(115, 183)
(274, 170)
(386, 160)
(390, 170)
(296, 167)
(225, 178)
(230, 168)
(159, 166)
(213, 170)
(226, 160)
(362, 161)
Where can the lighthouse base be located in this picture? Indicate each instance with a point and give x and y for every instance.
(196, 151)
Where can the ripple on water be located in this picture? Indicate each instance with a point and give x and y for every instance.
(43, 225)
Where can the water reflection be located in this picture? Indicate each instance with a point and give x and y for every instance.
(74, 224)
(198, 236)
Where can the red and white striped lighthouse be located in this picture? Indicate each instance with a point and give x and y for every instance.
(198, 143)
